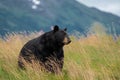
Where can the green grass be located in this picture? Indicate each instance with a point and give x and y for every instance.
(90, 58)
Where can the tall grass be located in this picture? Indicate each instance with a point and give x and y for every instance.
(88, 58)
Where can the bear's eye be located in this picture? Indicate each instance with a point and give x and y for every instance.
(65, 33)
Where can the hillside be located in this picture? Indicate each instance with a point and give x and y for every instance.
(17, 15)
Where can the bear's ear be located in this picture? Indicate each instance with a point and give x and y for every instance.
(56, 28)
(65, 29)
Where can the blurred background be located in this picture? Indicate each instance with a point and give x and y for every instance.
(77, 15)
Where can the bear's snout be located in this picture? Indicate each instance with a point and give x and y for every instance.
(69, 41)
(66, 40)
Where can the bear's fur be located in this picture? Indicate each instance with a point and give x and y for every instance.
(46, 49)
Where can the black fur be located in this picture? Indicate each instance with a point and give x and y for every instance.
(46, 48)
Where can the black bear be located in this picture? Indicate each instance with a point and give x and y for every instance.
(47, 49)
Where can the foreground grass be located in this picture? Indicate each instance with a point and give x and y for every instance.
(90, 58)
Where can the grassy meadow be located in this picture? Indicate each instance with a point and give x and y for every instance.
(94, 57)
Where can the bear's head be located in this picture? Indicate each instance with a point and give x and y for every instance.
(60, 35)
